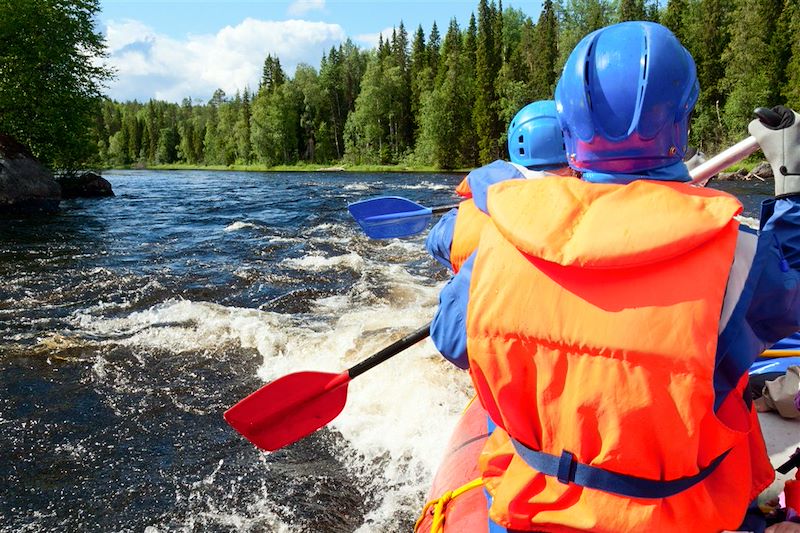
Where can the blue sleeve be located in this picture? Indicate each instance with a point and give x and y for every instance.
(482, 178)
(775, 310)
(440, 238)
(768, 308)
(449, 327)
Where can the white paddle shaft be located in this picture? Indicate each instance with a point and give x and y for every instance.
(724, 159)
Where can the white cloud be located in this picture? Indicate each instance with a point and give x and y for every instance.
(301, 7)
(150, 65)
(370, 40)
(119, 35)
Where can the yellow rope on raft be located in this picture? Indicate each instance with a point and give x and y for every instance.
(440, 503)
(779, 353)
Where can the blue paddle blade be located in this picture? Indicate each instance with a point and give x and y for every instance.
(390, 217)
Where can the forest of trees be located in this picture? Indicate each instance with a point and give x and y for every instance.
(50, 79)
(444, 101)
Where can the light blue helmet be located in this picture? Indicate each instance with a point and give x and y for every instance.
(625, 97)
(534, 137)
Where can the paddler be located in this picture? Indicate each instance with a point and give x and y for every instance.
(536, 149)
(609, 322)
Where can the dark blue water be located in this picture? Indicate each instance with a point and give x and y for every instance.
(128, 325)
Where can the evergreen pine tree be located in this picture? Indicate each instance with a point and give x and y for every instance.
(498, 31)
(404, 120)
(487, 123)
(272, 75)
(791, 88)
(244, 148)
(434, 44)
(418, 67)
(469, 139)
(706, 38)
(544, 76)
(631, 10)
(577, 19)
(674, 18)
(782, 40)
(751, 75)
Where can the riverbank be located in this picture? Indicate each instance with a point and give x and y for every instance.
(300, 167)
(747, 164)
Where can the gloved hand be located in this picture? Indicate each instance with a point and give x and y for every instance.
(780, 142)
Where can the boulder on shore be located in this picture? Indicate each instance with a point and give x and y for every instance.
(26, 186)
(87, 185)
(762, 172)
(742, 174)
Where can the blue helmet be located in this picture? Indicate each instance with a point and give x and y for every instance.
(625, 98)
(534, 137)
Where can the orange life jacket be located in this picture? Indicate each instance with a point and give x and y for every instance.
(467, 232)
(592, 330)
(463, 189)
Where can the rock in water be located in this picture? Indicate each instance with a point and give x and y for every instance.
(26, 186)
(87, 185)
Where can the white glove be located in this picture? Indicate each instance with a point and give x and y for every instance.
(780, 142)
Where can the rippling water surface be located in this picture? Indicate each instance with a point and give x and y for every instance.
(128, 325)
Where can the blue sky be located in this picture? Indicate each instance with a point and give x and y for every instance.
(173, 49)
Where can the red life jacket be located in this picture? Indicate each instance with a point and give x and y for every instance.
(592, 329)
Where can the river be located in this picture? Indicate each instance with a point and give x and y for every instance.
(128, 325)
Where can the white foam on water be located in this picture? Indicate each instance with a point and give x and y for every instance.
(274, 239)
(186, 326)
(398, 416)
(240, 225)
(359, 186)
(317, 262)
(427, 185)
(401, 412)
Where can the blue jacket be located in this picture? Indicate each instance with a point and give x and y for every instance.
(440, 238)
(761, 307)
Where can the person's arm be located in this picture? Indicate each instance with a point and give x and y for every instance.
(440, 238)
(779, 236)
(762, 300)
(449, 326)
(484, 177)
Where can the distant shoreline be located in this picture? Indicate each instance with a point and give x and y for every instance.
(746, 163)
(294, 168)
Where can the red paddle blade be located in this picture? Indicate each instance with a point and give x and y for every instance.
(290, 408)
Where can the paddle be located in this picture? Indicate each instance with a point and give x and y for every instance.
(389, 217)
(294, 406)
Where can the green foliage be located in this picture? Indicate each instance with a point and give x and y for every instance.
(272, 75)
(50, 82)
(631, 10)
(487, 67)
(578, 18)
(751, 75)
(707, 37)
(674, 18)
(445, 102)
(446, 135)
(791, 28)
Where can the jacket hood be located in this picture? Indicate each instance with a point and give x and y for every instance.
(574, 223)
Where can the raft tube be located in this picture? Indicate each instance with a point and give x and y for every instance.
(457, 501)
(457, 496)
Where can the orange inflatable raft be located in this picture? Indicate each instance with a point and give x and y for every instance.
(457, 498)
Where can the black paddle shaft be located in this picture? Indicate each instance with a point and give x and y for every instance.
(443, 209)
(390, 351)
